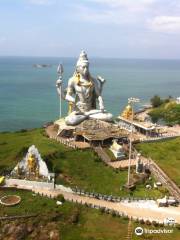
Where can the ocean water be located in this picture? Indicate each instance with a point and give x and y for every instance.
(28, 96)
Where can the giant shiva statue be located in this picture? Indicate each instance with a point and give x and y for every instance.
(82, 94)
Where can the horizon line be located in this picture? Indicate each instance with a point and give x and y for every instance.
(97, 57)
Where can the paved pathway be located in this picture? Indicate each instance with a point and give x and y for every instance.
(107, 160)
(140, 209)
(102, 154)
(122, 163)
(146, 209)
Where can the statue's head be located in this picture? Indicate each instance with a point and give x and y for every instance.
(82, 66)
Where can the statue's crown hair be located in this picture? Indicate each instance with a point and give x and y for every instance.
(82, 58)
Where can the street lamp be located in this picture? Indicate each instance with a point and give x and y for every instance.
(131, 101)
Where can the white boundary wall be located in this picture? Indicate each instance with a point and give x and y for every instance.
(30, 185)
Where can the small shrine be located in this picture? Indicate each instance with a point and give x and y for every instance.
(117, 150)
(127, 112)
(31, 166)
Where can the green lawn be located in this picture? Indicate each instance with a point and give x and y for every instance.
(73, 221)
(77, 168)
(166, 154)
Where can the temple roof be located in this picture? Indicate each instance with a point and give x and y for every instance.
(99, 130)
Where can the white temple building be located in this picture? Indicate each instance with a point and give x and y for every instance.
(117, 150)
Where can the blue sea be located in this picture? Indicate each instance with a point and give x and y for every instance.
(28, 96)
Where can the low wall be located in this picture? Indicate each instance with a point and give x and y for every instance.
(158, 139)
(26, 184)
(30, 185)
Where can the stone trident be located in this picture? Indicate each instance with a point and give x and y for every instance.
(59, 86)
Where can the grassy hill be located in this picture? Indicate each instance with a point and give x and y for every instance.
(70, 221)
(81, 168)
(168, 112)
(166, 154)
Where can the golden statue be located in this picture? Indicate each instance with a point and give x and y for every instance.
(128, 112)
(37, 171)
(32, 163)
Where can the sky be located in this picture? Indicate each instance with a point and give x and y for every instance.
(104, 28)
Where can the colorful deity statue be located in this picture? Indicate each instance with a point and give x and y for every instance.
(32, 164)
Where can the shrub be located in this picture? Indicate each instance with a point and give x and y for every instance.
(113, 213)
(148, 222)
(141, 221)
(75, 217)
(60, 198)
(102, 210)
(178, 226)
(154, 223)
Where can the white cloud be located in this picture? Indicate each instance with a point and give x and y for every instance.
(131, 5)
(113, 11)
(165, 24)
(42, 2)
(99, 16)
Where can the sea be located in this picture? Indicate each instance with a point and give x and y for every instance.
(28, 96)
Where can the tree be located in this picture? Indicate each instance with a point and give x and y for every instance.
(156, 101)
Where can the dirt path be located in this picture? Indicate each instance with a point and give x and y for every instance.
(145, 209)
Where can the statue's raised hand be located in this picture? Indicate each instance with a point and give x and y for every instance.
(101, 80)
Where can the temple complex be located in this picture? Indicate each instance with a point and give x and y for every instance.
(93, 131)
(145, 127)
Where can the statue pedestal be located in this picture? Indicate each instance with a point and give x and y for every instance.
(63, 129)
